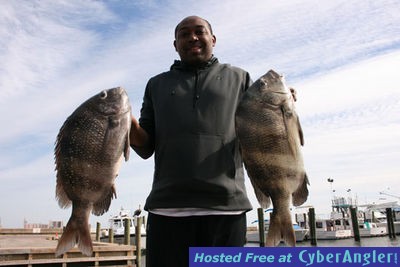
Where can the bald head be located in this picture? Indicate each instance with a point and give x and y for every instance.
(192, 18)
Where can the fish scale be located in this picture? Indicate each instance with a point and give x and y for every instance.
(270, 138)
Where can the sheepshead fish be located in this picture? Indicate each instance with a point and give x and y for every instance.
(88, 152)
(271, 137)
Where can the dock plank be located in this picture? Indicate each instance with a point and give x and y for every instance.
(32, 256)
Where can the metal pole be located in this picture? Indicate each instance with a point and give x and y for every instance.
(261, 226)
(313, 234)
(390, 223)
(354, 222)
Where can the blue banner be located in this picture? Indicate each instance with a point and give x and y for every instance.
(293, 257)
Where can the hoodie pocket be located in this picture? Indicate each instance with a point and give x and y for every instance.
(202, 157)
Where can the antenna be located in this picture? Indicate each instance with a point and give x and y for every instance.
(390, 195)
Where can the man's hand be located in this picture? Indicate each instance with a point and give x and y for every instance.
(138, 136)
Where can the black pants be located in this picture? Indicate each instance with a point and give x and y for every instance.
(169, 238)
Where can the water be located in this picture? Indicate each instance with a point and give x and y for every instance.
(383, 241)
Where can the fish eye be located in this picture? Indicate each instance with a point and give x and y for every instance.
(263, 82)
(103, 95)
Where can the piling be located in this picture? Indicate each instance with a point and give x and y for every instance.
(138, 239)
(313, 234)
(354, 222)
(261, 226)
(98, 232)
(127, 232)
(304, 224)
(110, 235)
(390, 223)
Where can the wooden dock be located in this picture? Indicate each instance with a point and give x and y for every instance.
(103, 255)
(39, 250)
(36, 247)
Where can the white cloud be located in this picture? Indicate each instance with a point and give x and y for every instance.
(41, 39)
(352, 86)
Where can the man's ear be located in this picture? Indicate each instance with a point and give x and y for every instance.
(214, 40)
(175, 46)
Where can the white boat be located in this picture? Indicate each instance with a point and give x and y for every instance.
(396, 226)
(339, 224)
(343, 224)
(376, 213)
(380, 220)
(253, 236)
(333, 228)
(117, 224)
(369, 229)
(336, 225)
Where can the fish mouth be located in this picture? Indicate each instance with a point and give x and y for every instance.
(116, 111)
(279, 92)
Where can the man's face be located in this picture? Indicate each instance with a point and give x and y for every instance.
(194, 41)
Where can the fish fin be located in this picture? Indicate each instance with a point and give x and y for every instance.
(263, 199)
(280, 228)
(287, 117)
(127, 147)
(72, 235)
(60, 136)
(301, 135)
(102, 206)
(301, 194)
(61, 196)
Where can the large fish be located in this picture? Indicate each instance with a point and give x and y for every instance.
(270, 138)
(88, 152)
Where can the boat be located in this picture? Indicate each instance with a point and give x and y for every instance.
(341, 224)
(335, 227)
(338, 225)
(300, 232)
(253, 235)
(370, 229)
(376, 213)
(395, 224)
(117, 224)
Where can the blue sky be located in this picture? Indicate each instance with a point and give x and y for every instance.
(342, 57)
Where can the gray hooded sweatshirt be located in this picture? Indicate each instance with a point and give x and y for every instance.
(189, 115)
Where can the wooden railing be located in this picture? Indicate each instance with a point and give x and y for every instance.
(23, 231)
(109, 254)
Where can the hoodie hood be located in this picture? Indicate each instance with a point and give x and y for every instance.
(179, 65)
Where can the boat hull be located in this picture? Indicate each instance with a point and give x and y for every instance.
(254, 236)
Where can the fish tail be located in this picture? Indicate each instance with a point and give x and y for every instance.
(72, 235)
(280, 228)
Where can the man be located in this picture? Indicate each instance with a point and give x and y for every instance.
(198, 197)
